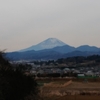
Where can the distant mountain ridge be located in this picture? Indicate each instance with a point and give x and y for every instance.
(52, 48)
(46, 55)
(87, 48)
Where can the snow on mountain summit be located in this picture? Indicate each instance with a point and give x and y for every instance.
(46, 44)
(51, 42)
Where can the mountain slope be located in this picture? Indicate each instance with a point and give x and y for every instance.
(52, 48)
(64, 49)
(34, 55)
(46, 55)
(87, 48)
(47, 44)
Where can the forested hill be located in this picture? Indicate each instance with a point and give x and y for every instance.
(80, 61)
(47, 54)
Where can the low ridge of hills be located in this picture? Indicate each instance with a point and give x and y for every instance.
(52, 48)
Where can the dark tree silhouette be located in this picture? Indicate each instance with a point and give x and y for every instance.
(14, 84)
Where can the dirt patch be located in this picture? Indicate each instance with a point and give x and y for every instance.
(71, 89)
(57, 85)
(78, 97)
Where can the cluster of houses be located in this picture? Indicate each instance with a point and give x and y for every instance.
(78, 71)
(51, 69)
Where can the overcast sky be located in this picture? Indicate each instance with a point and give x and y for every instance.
(24, 23)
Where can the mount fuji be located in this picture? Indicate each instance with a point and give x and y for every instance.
(52, 48)
(46, 44)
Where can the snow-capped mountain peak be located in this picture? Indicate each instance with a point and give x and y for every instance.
(46, 44)
(51, 42)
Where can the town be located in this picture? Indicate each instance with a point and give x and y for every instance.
(71, 67)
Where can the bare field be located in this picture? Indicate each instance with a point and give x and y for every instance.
(78, 97)
(70, 90)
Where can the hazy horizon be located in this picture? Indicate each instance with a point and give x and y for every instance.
(24, 23)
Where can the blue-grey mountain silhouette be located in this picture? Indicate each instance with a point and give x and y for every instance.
(52, 48)
(46, 44)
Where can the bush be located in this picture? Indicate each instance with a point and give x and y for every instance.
(14, 84)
